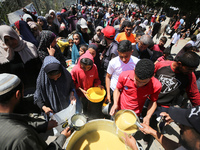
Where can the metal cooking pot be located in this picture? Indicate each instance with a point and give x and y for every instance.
(94, 125)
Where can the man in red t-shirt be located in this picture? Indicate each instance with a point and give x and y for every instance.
(134, 87)
(160, 46)
(175, 27)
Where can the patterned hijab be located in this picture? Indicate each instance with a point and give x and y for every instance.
(46, 38)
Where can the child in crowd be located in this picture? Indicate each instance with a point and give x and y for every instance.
(98, 37)
(175, 38)
(85, 76)
(117, 65)
(68, 50)
(149, 31)
(78, 40)
(160, 46)
(166, 56)
(83, 49)
(93, 50)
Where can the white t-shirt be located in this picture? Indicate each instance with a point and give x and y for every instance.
(116, 67)
(175, 37)
(191, 42)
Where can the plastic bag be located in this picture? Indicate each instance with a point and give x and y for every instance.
(63, 118)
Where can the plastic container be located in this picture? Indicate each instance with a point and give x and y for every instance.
(95, 94)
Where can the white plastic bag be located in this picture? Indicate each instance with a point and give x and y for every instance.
(63, 116)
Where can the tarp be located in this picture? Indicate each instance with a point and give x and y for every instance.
(18, 15)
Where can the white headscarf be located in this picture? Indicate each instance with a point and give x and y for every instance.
(55, 19)
(26, 50)
(26, 16)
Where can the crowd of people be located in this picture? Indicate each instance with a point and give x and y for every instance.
(110, 47)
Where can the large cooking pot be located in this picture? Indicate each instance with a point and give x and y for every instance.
(94, 125)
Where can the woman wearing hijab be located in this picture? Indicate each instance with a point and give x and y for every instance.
(55, 88)
(63, 25)
(25, 32)
(42, 22)
(55, 20)
(72, 20)
(48, 46)
(35, 30)
(19, 56)
(27, 18)
(51, 25)
(94, 51)
(78, 40)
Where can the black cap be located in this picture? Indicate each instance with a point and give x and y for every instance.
(188, 117)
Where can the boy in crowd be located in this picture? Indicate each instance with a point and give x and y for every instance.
(123, 62)
(85, 75)
(166, 56)
(160, 46)
(127, 35)
(134, 87)
(83, 49)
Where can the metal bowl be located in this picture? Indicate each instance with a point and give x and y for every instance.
(82, 121)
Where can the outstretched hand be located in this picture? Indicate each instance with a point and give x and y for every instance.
(146, 129)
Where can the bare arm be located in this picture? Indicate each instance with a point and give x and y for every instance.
(108, 78)
(116, 95)
(177, 42)
(164, 141)
(150, 110)
(130, 141)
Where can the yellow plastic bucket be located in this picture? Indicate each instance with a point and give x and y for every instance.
(95, 94)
